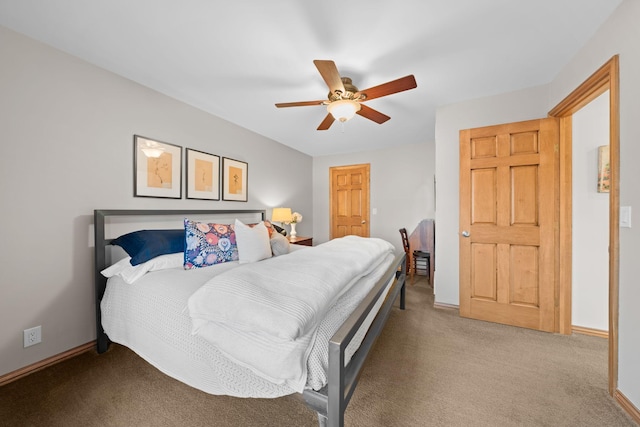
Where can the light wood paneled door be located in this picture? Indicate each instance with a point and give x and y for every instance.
(349, 201)
(508, 212)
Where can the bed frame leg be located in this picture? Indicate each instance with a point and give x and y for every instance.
(322, 420)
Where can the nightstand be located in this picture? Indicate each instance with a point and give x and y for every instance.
(298, 240)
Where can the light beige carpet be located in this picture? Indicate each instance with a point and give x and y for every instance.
(429, 368)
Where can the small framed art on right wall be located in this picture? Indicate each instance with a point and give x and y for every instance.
(604, 173)
(234, 180)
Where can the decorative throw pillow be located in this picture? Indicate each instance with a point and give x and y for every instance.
(253, 242)
(144, 245)
(279, 244)
(267, 224)
(208, 244)
(279, 230)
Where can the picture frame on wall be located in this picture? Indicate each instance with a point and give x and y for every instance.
(234, 180)
(157, 168)
(604, 172)
(203, 175)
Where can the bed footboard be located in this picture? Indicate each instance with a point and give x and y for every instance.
(331, 401)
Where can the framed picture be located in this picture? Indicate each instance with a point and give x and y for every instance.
(604, 173)
(234, 180)
(203, 175)
(157, 168)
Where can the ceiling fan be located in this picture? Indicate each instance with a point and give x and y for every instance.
(345, 100)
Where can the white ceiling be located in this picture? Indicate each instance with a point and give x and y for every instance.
(236, 59)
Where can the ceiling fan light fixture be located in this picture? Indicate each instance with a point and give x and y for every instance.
(343, 109)
(344, 99)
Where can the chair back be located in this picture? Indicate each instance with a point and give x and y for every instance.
(409, 256)
(405, 240)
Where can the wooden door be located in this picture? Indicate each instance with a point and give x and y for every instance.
(508, 212)
(349, 200)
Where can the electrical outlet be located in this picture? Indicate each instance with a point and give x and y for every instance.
(32, 336)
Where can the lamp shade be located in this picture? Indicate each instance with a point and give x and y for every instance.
(343, 109)
(281, 215)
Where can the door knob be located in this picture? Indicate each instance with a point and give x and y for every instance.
(465, 233)
(364, 222)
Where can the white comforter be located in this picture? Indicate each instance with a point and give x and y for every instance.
(265, 315)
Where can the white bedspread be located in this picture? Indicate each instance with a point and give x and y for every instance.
(265, 315)
(150, 317)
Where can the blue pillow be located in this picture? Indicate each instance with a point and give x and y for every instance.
(145, 245)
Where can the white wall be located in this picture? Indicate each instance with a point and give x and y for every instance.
(401, 189)
(619, 35)
(66, 135)
(590, 223)
(511, 107)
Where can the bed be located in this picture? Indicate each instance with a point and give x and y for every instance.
(156, 319)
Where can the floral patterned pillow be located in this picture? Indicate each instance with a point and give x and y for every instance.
(208, 244)
(269, 226)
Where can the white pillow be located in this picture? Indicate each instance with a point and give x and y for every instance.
(279, 244)
(131, 273)
(253, 242)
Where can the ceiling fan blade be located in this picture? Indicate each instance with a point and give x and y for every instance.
(298, 104)
(329, 73)
(327, 122)
(372, 114)
(395, 86)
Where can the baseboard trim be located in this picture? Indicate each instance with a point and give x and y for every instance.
(628, 407)
(23, 372)
(590, 331)
(445, 306)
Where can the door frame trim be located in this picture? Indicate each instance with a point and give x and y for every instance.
(605, 78)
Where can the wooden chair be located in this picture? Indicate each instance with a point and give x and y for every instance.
(416, 260)
(407, 251)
